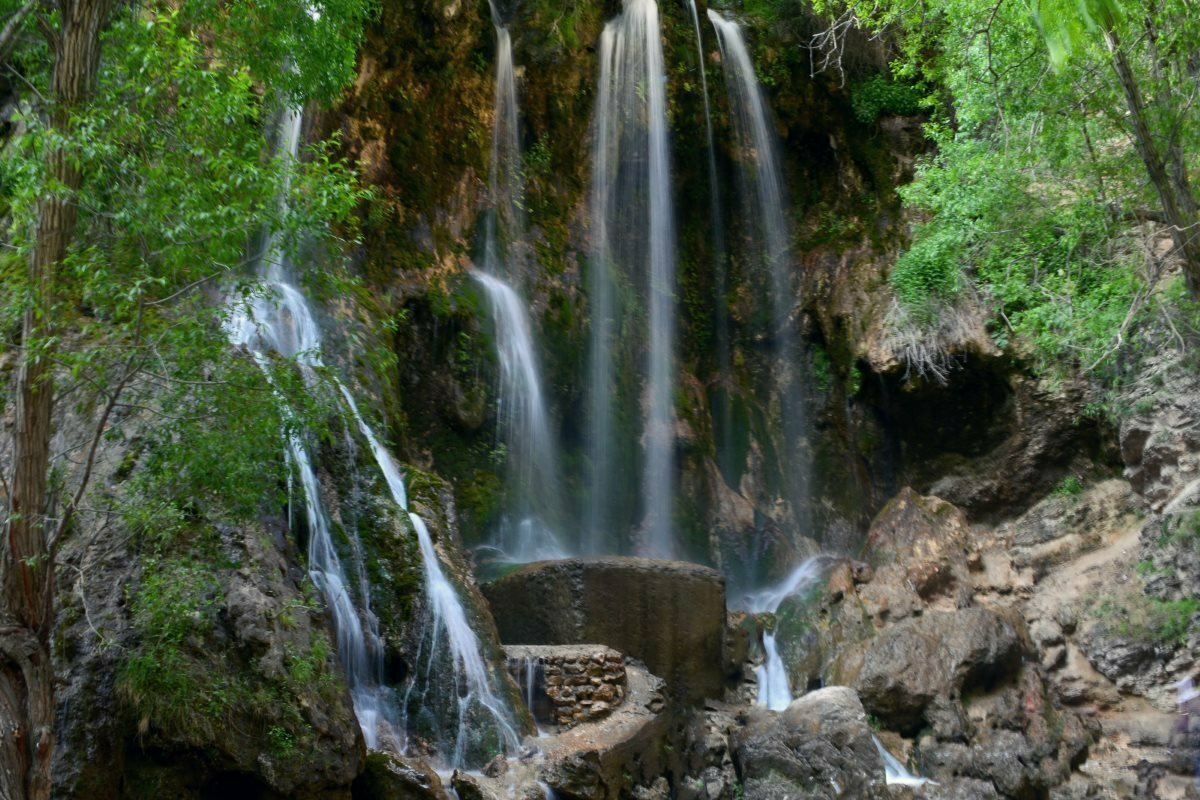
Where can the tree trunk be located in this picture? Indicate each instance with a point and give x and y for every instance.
(26, 565)
(1174, 192)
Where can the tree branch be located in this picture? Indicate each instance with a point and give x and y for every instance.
(8, 34)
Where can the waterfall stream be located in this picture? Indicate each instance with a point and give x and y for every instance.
(504, 181)
(528, 528)
(774, 690)
(894, 772)
(530, 451)
(633, 240)
(763, 215)
(280, 320)
(723, 412)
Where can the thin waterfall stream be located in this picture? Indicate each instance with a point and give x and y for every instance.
(527, 533)
(723, 413)
(280, 320)
(774, 689)
(762, 202)
(528, 530)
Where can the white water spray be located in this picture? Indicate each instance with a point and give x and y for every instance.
(774, 691)
(894, 772)
(281, 320)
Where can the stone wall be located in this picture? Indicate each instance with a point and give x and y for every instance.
(667, 614)
(564, 686)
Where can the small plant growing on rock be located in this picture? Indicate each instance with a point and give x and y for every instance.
(1069, 486)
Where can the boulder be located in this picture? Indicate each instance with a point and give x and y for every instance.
(390, 777)
(820, 746)
(471, 787)
(903, 669)
(917, 529)
(918, 545)
(669, 615)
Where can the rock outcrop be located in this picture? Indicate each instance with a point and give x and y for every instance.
(392, 777)
(934, 657)
(250, 699)
(669, 615)
(1160, 440)
(819, 747)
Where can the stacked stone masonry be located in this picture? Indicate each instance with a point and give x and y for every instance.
(567, 685)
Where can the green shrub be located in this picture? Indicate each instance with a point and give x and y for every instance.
(879, 95)
(1069, 486)
(930, 269)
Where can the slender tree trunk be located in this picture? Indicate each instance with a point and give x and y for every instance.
(26, 562)
(1170, 180)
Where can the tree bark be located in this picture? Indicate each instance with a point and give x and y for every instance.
(1170, 180)
(26, 564)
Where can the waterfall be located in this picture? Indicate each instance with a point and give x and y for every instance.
(633, 239)
(527, 530)
(504, 182)
(530, 449)
(723, 412)
(774, 691)
(281, 320)
(894, 772)
(449, 617)
(764, 216)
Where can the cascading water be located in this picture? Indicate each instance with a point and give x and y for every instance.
(279, 319)
(530, 452)
(723, 410)
(528, 528)
(764, 218)
(894, 772)
(450, 618)
(774, 691)
(633, 240)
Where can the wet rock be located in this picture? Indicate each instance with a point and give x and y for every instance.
(391, 777)
(659, 790)
(256, 629)
(905, 667)
(668, 614)
(820, 746)
(470, 787)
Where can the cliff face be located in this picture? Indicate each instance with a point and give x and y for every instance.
(419, 119)
(225, 624)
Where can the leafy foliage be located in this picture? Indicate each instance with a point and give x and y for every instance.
(177, 185)
(1036, 198)
(878, 95)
